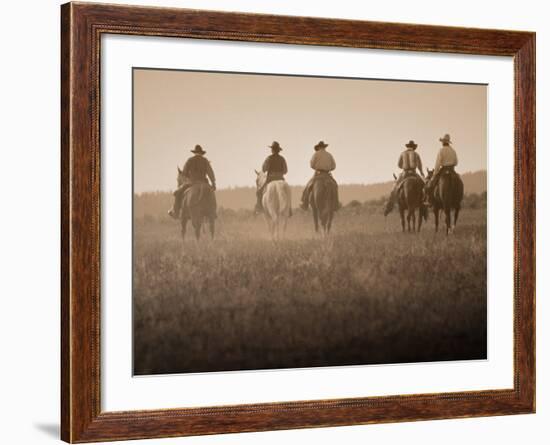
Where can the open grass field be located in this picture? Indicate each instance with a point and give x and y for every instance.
(368, 294)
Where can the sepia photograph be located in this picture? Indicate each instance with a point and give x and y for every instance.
(290, 221)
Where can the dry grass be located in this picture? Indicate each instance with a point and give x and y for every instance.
(368, 294)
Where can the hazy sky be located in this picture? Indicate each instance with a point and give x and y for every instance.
(236, 116)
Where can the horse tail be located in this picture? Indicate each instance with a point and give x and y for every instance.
(277, 200)
(451, 191)
(325, 200)
(269, 201)
(200, 202)
(412, 192)
(285, 200)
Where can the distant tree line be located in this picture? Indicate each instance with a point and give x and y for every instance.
(470, 201)
(358, 196)
(356, 207)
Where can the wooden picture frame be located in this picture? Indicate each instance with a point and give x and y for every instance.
(82, 25)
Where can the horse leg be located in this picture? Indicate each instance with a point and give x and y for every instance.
(197, 226)
(419, 219)
(183, 227)
(329, 222)
(273, 229)
(315, 219)
(269, 225)
(457, 211)
(277, 228)
(212, 225)
(326, 222)
(436, 218)
(448, 220)
(402, 215)
(284, 223)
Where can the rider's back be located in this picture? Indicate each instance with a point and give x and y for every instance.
(196, 168)
(275, 164)
(409, 160)
(322, 160)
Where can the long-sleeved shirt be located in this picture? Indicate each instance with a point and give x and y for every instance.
(446, 158)
(275, 165)
(410, 160)
(198, 168)
(322, 160)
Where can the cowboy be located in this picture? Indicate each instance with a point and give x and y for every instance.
(409, 161)
(197, 169)
(446, 160)
(323, 163)
(275, 167)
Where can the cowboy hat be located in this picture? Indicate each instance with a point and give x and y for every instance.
(411, 144)
(445, 139)
(275, 146)
(198, 150)
(320, 145)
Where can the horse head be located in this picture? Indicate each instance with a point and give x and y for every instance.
(261, 178)
(430, 173)
(429, 189)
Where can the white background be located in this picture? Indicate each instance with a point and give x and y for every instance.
(121, 392)
(29, 241)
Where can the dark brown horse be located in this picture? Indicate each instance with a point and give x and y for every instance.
(323, 202)
(410, 200)
(198, 205)
(447, 196)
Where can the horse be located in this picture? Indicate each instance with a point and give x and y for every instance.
(410, 198)
(323, 202)
(198, 205)
(447, 195)
(276, 202)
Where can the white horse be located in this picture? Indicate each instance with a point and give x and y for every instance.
(276, 202)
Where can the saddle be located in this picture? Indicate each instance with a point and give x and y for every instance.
(447, 171)
(433, 183)
(322, 174)
(443, 171)
(272, 177)
(408, 174)
(199, 193)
